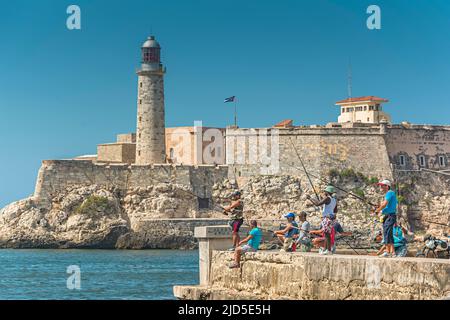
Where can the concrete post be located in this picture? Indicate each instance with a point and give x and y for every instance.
(212, 238)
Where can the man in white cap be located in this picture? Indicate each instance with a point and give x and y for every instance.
(388, 209)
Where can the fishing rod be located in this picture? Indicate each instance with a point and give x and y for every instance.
(350, 193)
(306, 172)
(327, 182)
(437, 223)
(347, 192)
(343, 238)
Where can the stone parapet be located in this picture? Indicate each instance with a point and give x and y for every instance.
(56, 175)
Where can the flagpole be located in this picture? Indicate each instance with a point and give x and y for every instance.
(235, 113)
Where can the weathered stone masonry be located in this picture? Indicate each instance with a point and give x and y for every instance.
(321, 149)
(275, 275)
(57, 175)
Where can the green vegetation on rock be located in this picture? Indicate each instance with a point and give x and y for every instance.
(349, 173)
(359, 192)
(92, 204)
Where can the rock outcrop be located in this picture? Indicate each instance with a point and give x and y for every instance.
(95, 217)
(85, 217)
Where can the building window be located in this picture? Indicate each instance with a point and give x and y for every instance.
(343, 110)
(365, 108)
(140, 101)
(422, 161)
(402, 160)
(140, 119)
(139, 135)
(139, 153)
(203, 203)
(368, 119)
(140, 84)
(442, 161)
(370, 108)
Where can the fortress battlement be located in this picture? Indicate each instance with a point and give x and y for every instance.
(56, 176)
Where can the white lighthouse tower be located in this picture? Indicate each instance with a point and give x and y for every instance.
(150, 133)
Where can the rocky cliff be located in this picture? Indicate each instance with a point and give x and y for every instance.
(94, 217)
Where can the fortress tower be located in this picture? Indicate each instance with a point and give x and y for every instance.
(150, 133)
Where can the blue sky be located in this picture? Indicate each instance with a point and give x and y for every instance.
(63, 92)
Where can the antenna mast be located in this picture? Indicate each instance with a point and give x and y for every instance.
(349, 79)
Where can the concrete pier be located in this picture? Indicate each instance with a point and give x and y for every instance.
(299, 276)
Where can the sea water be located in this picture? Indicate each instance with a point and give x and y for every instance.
(95, 274)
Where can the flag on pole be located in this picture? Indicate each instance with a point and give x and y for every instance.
(230, 99)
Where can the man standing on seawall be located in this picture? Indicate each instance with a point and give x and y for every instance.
(236, 211)
(388, 209)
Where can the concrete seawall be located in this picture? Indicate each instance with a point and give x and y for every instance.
(309, 276)
(275, 275)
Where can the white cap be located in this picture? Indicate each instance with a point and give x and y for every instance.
(385, 182)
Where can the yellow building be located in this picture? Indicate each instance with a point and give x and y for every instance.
(367, 109)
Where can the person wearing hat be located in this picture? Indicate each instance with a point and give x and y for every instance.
(328, 201)
(236, 212)
(388, 211)
(286, 235)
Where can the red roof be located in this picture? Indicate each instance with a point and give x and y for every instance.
(361, 99)
(284, 124)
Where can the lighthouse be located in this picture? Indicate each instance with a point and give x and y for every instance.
(150, 133)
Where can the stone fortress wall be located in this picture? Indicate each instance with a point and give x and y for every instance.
(415, 141)
(320, 149)
(372, 150)
(55, 176)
